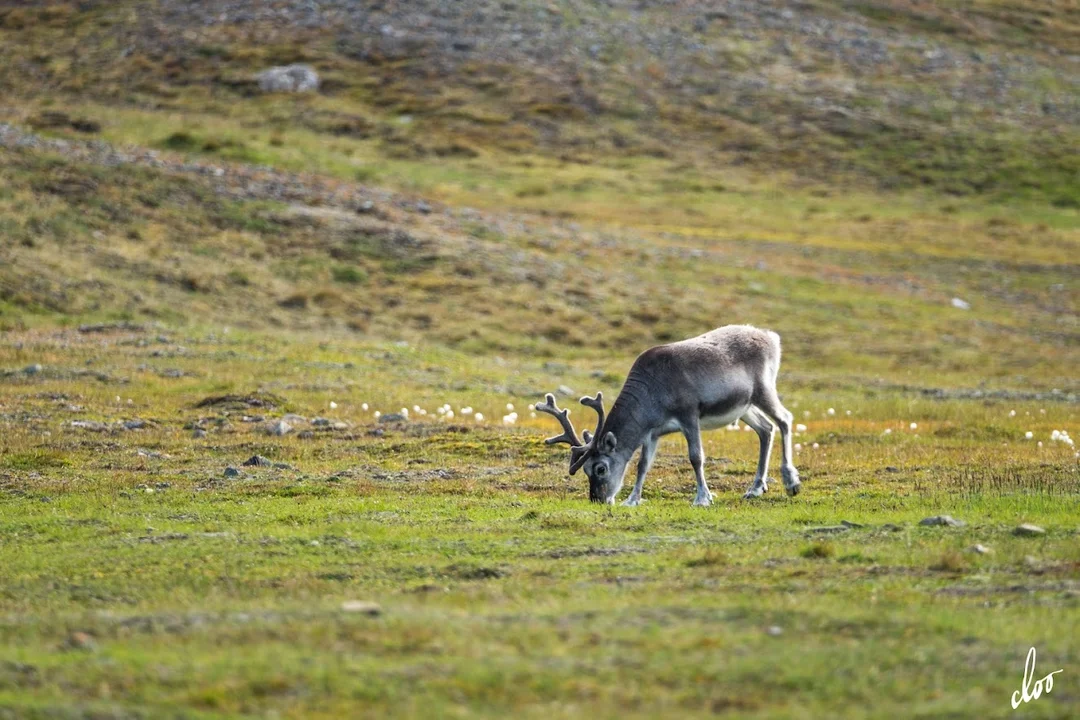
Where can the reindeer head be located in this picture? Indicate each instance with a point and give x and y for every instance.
(592, 454)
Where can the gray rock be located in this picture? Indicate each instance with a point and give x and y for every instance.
(198, 433)
(279, 428)
(33, 369)
(258, 461)
(1028, 530)
(946, 520)
(232, 472)
(980, 549)
(774, 630)
(320, 422)
(827, 530)
(289, 78)
(135, 424)
(392, 417)
(565, 391)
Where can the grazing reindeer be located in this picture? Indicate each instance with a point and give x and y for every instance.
(697, 384)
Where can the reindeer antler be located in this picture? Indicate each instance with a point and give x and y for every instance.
(597, 404)
(569, 436)
(578, 450)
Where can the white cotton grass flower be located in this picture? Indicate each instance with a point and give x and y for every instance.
(532, 415)
(416, 409)
(333, 405)
(1040, 443)
(914, 426)
(449, 415)
(1062, 437)
(479, 417)
(467, 410)
(1028, 435)
(831, 411)
(798, 447)
(509, 407)
(1042, 412)
(847, 412)
(815, 446)
(510, 419)
(364, 406)
(405, 412)
(806, 413)
(800, 428)
(378, 414)
(888, 431)
(531, 407)
(1012, 413)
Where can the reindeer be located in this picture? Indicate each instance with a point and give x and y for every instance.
(698, 384)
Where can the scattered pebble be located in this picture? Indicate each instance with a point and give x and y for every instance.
(258, 461)
(391, 417)
(774, 630)
(279, 428)
(232, 472)
(945, 520)
(980, 549)
(363, 607)
(1028, 530)
(960, 304)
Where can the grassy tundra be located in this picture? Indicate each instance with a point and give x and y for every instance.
(434, 227)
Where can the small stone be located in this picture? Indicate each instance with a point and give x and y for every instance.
(392, 417)
(366, 207)
(423, 207)
(289, 78)
(279, 428)
(258, 461)
(892, 469)
(283, 466)
(565, 391)
(33, 369)
(979, 549)
(232, 472)
(320, 422)
(134, 424)
(946, 520)
(1028, 530)
(960, 304)
(198, 433)
(774, 631)
(827, 530)
(849, 524)
(363, 607)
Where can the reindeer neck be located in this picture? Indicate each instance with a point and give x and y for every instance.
(631, 417)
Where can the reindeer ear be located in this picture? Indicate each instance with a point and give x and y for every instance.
(607, 444)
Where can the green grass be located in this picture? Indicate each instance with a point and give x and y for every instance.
(140, 581)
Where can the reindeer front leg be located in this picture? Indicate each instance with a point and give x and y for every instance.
(692, 430)
(648, 452)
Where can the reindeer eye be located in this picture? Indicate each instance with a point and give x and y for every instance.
(601, 470)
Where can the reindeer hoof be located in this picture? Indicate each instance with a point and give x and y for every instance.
(703, 500)
(756, 490)
(631, 501)
(791, 481)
